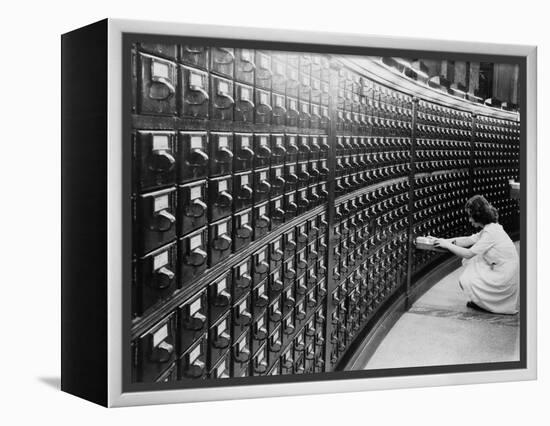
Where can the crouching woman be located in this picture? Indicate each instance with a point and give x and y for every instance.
(490, 278)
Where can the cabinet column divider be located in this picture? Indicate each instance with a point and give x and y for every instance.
(410, 236)
(333, 89)
(472, 153)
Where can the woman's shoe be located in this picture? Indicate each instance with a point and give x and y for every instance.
(477, 307)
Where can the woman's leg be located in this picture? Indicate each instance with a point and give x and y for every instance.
(464, 282)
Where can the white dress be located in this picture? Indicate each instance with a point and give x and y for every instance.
(491, 277)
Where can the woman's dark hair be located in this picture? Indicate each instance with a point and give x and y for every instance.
(481, 211)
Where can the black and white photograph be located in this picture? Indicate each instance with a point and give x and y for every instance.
(307, 213)
(275, 213)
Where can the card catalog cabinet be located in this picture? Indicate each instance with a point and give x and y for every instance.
(275, 199)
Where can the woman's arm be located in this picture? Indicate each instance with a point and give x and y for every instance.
(465, 242)
(463, 252)
(459, 241)
(462, 241)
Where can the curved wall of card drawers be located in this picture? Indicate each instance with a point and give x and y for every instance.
(275, 199)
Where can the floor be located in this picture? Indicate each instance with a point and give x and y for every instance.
(439, 330)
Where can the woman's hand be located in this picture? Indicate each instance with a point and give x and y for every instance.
(443, 243)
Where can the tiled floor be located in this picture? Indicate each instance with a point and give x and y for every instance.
(439, 330)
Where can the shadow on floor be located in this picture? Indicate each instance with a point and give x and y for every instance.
(54, 382)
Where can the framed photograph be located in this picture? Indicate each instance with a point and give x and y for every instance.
(252, 212)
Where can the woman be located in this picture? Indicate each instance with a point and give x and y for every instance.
(490, 277)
